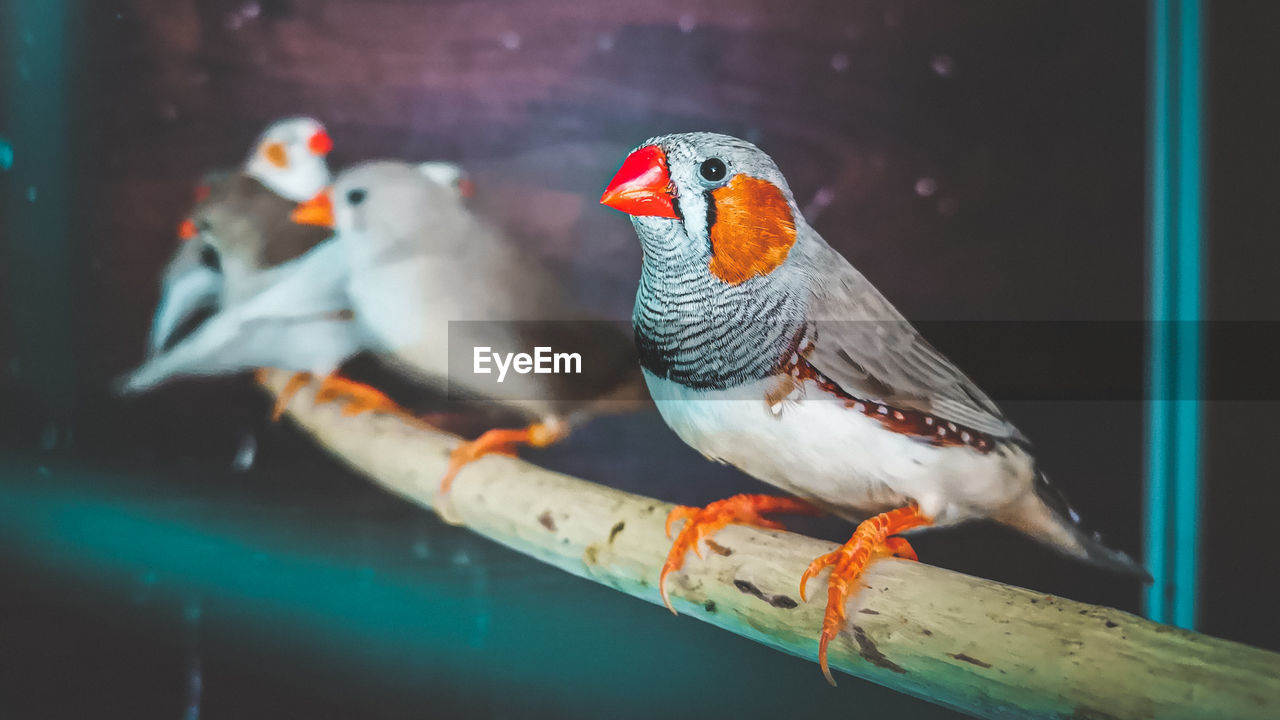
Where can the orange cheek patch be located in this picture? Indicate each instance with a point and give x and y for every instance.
(275, 154)
(753, 230)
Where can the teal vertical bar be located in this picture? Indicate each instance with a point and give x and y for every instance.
(1176, 207)
(1159, 343)
(1189, 244)
(37, 212)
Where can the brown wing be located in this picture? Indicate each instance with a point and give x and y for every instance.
(864, 345)
(248, 218)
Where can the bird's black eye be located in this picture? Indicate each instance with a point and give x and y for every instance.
(357, 196)
(712, 170)
(209, 258)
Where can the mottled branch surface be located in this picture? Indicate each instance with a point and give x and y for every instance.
(978, 646)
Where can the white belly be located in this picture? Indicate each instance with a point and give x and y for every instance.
(427, 319)
(818, 449)
(406, 310)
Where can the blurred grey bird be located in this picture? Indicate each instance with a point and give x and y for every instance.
(284, 299)
(435, 284)
(280, 294)
(765, 349)
(287, 161)
(190, 284)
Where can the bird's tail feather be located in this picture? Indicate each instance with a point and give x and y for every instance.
(1045, 515)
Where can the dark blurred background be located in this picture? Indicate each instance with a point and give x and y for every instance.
(978, 161)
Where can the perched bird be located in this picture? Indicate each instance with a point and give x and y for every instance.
(246, 231)
(765, 349)
(272, 291)
(435, 284)
(448, 175)
(190, 284)
(289, 158)
(284, 297)
(301, 322)
(287, 163)
(280, 296)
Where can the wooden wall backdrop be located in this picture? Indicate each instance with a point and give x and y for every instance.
(977, 159)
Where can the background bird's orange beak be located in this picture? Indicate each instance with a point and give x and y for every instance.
(316, 211)
(642, 186)
(320, 143)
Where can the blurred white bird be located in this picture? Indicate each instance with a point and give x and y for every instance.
(302, 322)
(448, 175)
(433, 283)
(292, 314)
(281, 295)
(287, 160)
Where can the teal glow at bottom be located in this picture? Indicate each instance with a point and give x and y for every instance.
(392, 602)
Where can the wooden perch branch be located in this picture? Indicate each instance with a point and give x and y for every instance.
(978, 646)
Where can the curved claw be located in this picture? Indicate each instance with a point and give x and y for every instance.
(833, 621)
(357, 397)
(873, 539)
(695, 543)
(662, 585)
(461, 455)
(899, 547)
(769, 524)
(814, 568)
(679, 512)
(822, 658)
(492, 442)
(296, 382)
(456, 461)
(700, 523)
(689, 536)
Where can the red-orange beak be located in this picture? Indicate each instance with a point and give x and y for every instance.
(320, 143)
(642, 186)
(316, 211)
(187, 229)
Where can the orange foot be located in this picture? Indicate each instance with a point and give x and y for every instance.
(501, 442)
(870, 541)
(701, 523)
(291, 388)
(356, 397)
